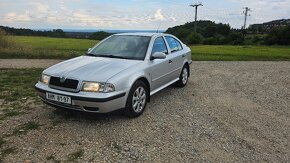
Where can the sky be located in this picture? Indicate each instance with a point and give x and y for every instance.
(134, 14)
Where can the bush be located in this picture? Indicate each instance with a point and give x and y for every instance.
(99, 35)
(236, 38)
(210, 41)
(195, 38)
(279, 36)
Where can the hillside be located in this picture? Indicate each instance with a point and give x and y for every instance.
(208, 32)
(268, 26)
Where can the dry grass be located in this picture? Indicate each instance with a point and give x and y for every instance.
(5, 40)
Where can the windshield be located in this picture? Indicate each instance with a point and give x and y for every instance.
(123, 46)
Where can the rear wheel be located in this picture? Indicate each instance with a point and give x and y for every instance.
(183, 78)
(137, 100)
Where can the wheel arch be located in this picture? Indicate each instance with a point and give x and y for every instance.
(146, 82)
(188, 68)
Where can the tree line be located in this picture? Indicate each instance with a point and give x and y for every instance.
(30, 32)
(53, 33)
(211, 33)
(208, 33)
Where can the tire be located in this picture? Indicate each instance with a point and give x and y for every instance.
(137, 100)
(183, 78)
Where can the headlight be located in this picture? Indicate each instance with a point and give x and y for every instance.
(98, 87)
(44, 79)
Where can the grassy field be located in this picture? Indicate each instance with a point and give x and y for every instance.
(62, 48)
(46, 47)
(240, 53)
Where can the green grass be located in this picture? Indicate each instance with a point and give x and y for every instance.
(11, 113)
(75, 155)
(16, 84)
(46, 47)
(60, 44)
(2, 142)
(52, 159)
(240, 53)
(26, 127)
(7, 151)
(64, 48)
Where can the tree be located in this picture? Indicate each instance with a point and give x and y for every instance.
(278, 36)
(57, 33)
(99, 35)
(195, 38)
(208, 32)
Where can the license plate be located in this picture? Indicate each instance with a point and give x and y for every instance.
(58, 98)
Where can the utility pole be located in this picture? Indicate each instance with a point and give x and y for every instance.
(196, 5)
(246, 12)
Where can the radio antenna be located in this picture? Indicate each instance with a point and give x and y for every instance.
(159, 27)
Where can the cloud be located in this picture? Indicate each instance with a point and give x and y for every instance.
(158, 15)
(14, 17)
(133, 14)
(42, 8)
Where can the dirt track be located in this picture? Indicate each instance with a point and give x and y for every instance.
(230, 111)
(27, 63)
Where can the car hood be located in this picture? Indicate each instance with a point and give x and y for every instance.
(89, 68)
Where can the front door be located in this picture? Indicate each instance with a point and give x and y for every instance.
(160, 68)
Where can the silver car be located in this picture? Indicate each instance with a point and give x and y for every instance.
(120, 72)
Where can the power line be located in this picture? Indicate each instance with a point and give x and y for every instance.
(246, 12)
(196, 5)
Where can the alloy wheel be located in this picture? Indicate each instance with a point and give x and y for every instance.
(139, 99)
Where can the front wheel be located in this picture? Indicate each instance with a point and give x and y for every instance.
(183, 78)
(137, 100)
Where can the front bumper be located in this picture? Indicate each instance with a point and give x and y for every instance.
(85, 101)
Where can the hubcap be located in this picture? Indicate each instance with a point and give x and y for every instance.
(184, 75)
(139, 99)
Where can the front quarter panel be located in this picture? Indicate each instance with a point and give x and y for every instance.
(125, 79)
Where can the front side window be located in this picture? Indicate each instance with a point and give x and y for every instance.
(123, 46)
(178, 44)
(174, 45)
(159, 46)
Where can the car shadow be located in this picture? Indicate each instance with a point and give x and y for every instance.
(81, 116)
(74, 115)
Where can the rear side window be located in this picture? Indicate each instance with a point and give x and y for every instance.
(159, 46)
(174, 44)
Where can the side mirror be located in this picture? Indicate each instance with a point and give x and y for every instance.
(158, 55)
(89, 49)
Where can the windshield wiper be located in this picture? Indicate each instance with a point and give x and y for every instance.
(113, 56)
(90, 54)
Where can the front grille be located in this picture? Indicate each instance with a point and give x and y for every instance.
(68, 84)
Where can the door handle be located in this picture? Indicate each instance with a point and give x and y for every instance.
(170, 61)
(183, 56)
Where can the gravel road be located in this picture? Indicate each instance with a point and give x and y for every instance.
(27, 63)
(230, 111)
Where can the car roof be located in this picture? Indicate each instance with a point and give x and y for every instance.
(148, 34)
